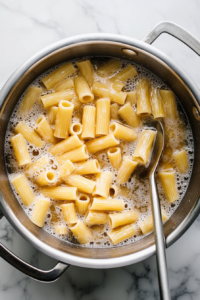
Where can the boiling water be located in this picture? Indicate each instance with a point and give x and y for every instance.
(135, 193)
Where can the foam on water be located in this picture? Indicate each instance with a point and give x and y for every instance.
(135, 193)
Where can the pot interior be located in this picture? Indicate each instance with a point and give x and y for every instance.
(113, 49)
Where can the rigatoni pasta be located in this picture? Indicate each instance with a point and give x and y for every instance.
(147, 225)
(115, 157)
(60, 192)
(82, 233)
(75, 128)
(83, 90)
(69, 213)
(66, 168)
(101, 90)
(103, 116)
(89, 167)
(144, 146)
(123, 132)
(124, 218)
(86, 70)
(102, 143)
(40, 211)
(20, 148)
(45, 130)
(88, 122)
(52, 99)
(63, 119)
(103, 183)
(181, 161)
(30, 99)
(23, 189)
(107, 204)
(83, 184)
(51, 115)
(143, 97)
(64, 85)
(121, 233)
(75, 155)
(30, 135)
(126, 169)
(168, 181)
(110, 67)
(127, 113)
(82, 203)
(68, 144)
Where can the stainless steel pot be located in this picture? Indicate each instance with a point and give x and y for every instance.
(142, 53)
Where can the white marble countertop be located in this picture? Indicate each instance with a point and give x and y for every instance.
(25, 28)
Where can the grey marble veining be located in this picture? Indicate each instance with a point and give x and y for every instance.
(25, 28)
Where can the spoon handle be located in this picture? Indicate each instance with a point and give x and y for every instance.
(159, 241)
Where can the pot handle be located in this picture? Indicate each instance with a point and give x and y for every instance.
(37, 274)
(176, 31)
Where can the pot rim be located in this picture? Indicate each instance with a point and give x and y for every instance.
(57, 254)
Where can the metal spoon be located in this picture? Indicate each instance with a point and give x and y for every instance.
(149, 172)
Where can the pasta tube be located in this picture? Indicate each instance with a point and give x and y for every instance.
(40, 211)
(63, 119)
(82, 233)
(167, 179)
(147, 225)
(122, 233)
(23, 189)
(169, 103)
(60, 229)
(115, 157)
(88, 122)
(46, 178)
(30, 135)
(101, 90)
(58, 75)
(107, 204)
(69, 213)
(30, 98)
(96, 218)
(123, 132)
(20, 149)
(64, 146)
(64, 85)
(114, 111)
(89, 167)
(128, 114)
(60, 192)
(44, 130)
(181, 161)
(83, 90)
(143, 97)
(36, 166)
(103, 183)
(144, 146)
(75, 155)
(126, 169)
(52, 99)
(110, 67)
(118, 86)
(128, 72)
(157, 104)
(102, 143)
(83, 184)
(113, 191)
(124, 218)
(66, 169)
(82, 203)
(52, 114)
(131, 97)
(86, 70)
(103, 116)
(75, 128)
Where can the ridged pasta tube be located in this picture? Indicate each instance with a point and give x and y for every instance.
(127, 113)
(181, 161)
(144, 146)
(124, 218)
(46, 178)
(44, 130)
(103, 116)
(123, 132)
(60, 192)
(82, 203)
(69, 213)
(88, 122)
(66, 169)
(20, 149)
(102, 143)
(30, 99)
(122, 233)
(30, 135)
(101, 90)
(96, 218)
(69, 144)
(118, 86)
(58, 75)
(64, 85)
(103, 183)
(113, 191)
(131, 98)
(75, 155)
(40, 211)
(36, 166)
(86, 70)
(23, 189)
(128, 72)
(75, 128)
(83, 184)
(147, 225)
(89, 167)
(126, 169)
(169, 103)
(143, 97)
(114, 108)
(60, 229)
(52, 114)
(168, 181)
(52, 99)
(107, 204)
(83, 90)
(82, 233)
(115, 157)
(110, 67)
(63, 119)
(157, 104)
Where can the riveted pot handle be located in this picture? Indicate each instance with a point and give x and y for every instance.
(37, 274)
(176, 31)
